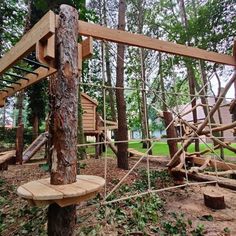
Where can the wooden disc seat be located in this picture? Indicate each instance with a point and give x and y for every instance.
(41, 192)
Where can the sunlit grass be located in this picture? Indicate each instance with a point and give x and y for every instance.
(161, 149)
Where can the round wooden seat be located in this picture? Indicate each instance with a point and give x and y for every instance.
(41, 192)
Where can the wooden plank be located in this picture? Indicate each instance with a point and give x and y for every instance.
(69, 190)
(22, 192)
(41, 31)
(118, 36)
(80, 57)
(40, 191)
(74, 200)
(91, 178)
(42, 73)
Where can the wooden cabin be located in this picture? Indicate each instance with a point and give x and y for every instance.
(92, 122)
(89, 106)
(94, 125)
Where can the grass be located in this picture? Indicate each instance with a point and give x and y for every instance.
(161, 149)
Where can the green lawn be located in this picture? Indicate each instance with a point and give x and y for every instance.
(161, 149)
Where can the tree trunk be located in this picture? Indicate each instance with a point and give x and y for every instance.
(19, 143)
(190, 70)
(35, 127)
(191, 79)
(61, 221)
(81, 138)
(109, 73)
(171, 133)
(144, 112)
(122, 134)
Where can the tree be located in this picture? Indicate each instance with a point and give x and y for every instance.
(122, 134)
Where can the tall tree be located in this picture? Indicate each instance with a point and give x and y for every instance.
(122, 134)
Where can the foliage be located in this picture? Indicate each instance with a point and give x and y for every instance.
(8, 136)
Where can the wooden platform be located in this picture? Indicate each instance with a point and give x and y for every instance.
(41, 192)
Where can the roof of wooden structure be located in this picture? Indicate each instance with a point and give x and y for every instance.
(86, 96)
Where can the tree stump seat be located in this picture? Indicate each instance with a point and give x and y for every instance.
(214, 198)
(41, 192)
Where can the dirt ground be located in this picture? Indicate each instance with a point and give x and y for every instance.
(188, 201)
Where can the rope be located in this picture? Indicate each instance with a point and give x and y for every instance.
(177, 115)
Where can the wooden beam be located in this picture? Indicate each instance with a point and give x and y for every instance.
(118, 36)
(42, 73)
(41, 31)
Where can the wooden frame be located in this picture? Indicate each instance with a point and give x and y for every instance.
(118, 36)
(41, 37)
(44, 29)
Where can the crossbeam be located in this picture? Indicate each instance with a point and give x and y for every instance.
(118, 36)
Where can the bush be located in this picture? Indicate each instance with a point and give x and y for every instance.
(9, 135)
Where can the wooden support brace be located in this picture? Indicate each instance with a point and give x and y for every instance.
(87, 48)
(45, 51)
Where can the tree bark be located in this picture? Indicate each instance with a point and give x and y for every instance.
(190, 70)
(19, 143)
(171, 133)
(61, 221)
(122, 134)
(35, 127)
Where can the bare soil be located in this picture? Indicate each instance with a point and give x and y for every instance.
(188, 201)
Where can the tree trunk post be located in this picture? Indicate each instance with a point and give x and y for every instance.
(19, 143)
(171, 133)
(122, 133)
(62, 220)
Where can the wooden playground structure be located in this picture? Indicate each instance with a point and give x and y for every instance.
(65, 187)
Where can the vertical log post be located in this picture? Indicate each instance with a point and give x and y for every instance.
(173, 144)
(62, 220)
(171, 133)
(19, 143)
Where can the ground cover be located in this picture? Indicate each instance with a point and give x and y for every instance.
(176, 212)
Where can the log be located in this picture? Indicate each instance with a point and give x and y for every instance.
(171, 133)
(222, 182)
(110, 144)
(61, 221)
(221, 165)
(203, 125)
(213, 198)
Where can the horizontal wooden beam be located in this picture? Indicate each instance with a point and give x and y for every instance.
(41, 31)
(118, 36)
(42, 73)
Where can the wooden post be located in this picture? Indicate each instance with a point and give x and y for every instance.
(19, 143)
(171, 133)
(173, 144)
(61, 221)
